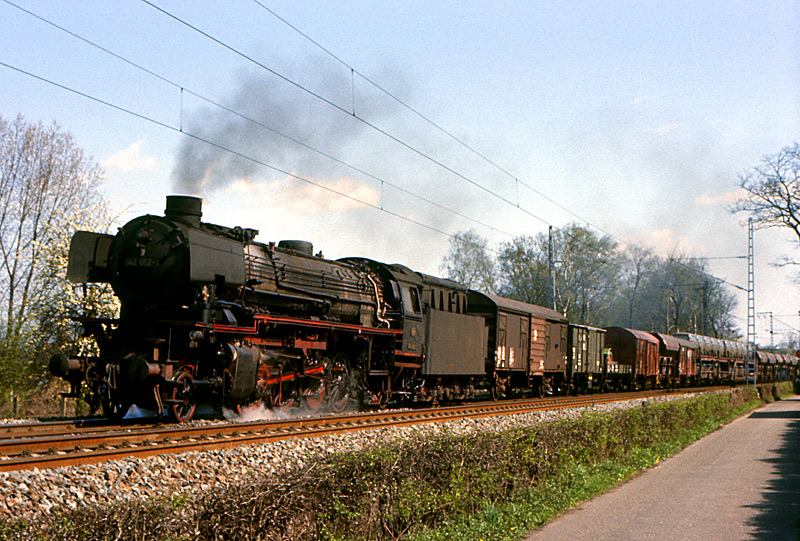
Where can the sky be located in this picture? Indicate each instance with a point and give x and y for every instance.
(379, 129)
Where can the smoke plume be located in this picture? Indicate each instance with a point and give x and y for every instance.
(274, 123)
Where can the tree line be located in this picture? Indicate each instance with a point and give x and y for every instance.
(592, 280)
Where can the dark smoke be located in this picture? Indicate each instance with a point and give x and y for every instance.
(202, 168)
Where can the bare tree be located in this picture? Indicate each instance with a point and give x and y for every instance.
(773, 191)
(679, 296)
(588, 276)
(47, 188)
(468, 262)
(636, 264)
(523, 270)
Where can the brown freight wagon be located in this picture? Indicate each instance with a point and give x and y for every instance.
(527, 344)
(637, 353)
(736, 353)
(766, 370)
(713, 364)
(677, 361)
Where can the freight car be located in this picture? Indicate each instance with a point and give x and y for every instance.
(527, 344)
(677, 361)
(589, 363)
(211, 316)
(636, 352)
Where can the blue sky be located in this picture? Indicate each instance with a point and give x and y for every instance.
(635, 116)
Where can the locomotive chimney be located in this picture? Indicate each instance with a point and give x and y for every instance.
(186, 208)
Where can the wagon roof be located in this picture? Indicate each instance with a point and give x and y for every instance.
(515, 306)
(641, 335)
(597, 329)
(670, 342)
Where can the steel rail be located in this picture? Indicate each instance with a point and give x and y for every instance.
(52, 451)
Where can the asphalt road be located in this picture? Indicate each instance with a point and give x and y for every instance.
(741, 482)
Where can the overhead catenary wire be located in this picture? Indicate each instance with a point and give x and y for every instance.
(183, 90)
(469, 147)
(390, 136)
(338, 107)
(441, 129)
(332, 104)
(229, 150)
(431, 122)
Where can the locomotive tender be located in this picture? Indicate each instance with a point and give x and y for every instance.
(210, 316)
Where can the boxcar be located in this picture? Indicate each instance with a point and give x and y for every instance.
(587, 359)
(527, 344)
(636, 353)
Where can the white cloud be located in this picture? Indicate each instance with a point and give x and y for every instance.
(301, 198)
(712, 200)
(666, 129)
(130, 159)
(665, 242)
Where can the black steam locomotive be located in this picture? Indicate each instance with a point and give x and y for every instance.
(209, 316)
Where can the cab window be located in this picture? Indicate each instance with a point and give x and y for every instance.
(411, 302)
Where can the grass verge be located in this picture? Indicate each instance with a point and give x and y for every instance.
(489, 485)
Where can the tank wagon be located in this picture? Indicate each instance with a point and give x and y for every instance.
(210, 316)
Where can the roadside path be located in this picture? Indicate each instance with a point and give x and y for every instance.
(741, 482)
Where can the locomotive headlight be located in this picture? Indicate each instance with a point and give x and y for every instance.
(142, 238)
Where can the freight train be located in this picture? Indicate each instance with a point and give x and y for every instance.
(211, 317)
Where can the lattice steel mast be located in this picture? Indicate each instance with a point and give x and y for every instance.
(751, 309)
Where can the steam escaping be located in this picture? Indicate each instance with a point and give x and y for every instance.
(135, 412)
(259, 412)
(273, 122)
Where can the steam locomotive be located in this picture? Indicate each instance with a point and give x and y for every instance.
(210, 316)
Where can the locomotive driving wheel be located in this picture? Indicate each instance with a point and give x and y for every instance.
(283, 396)
(184, 399)
(314, 393)
(340, 391)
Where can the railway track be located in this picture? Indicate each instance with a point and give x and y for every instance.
(69, 443)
